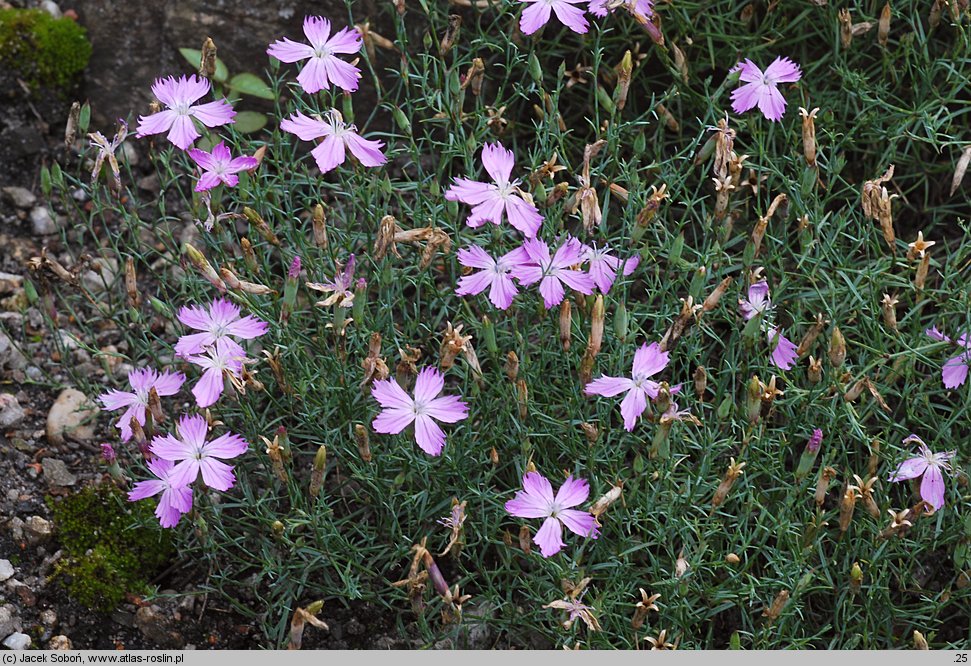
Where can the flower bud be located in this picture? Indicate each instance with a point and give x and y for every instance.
(624, 71)
(700, 378)
(566, 322)
(731, 474)
(826, 475)
(883, 26)
(108, 453)
(155, 405)
(202, 264)
(621, 322)
(808, 457)
(597, 325)
(320, 227)
(320, 467)
(778, 604)
(451, 34)
(255, 220)
(809, 339)
(837, 348)
(290, 290)
(856, 577)
(732, 559)
(809, 135)
(131, 284)
(512, 366)
(207, 61)
(888, 306)
(847, 507)
(591, 432)
(249, 255)
(814, 373)
(920, 643)
(361, 437)
(524, 539)
(522, 397)
(753, 400)
(920, 277)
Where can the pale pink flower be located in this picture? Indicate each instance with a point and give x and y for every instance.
(759, 303)
(537, 14)
(955, 370)
(175, 500)
(220, 166)
(490, 200)
(536, 500)
(784, 353)
(401, 410)
(324, 67)
(648, 361)
(929, 464)
(178, 96)
(135, 402)
(195, 455)
(603, 266)
(222, 358)
(220, 320)
(641, 9)
(762, 88)
(553, 272)
(341, 288)
(495, 275)
(337, 136)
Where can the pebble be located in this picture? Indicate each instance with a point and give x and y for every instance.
(9, 622)
(17, 641)
(72, 415)
(57, 473)
(20, 197)
(6, 570)
(41, 222)
(128, 153)
(48, 617)
(61, 642)
(9, 283)
(100, 280)
(11, 413)
(51, 8)
(37, 530)
(10, 355)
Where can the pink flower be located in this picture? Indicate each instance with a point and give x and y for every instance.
(341, 288)
(338, 135)
(225, 356)
(490, 200)
(553, 273)
(955, 370)
(221, 320)
(324, 67)
(136, 401)
(178, 96)
(538, 13)
(198, 455)
(783, 350)
(648, 361)
(762, 89)
(401, 410)
(175, 501)
(494, 276)
(219, 166)
(758, 301)
(641, 9)
(536, 500)
(930, 465)
(603, 266)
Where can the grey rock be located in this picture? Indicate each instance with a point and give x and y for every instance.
(72, 415)
(128, 153)
(57, 473)
(9, 622)
(477, 633)
(11, 413)
(6, 571)
(9, 283)
(102, 277)
(41, 222)
(156, 627)
(20, 197)
(51, 8)
(37, 530)
(17, 641)
(48, 617)
(16, 526)
(11, 357)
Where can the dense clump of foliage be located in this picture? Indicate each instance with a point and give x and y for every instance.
(41, 50)
(110, 548)
(763, 555)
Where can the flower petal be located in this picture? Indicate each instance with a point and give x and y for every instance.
(429, 436)
(571, 493)
(549, 538)
(932, 487)
(581, 523)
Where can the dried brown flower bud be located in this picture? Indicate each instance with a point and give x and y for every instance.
(883, 26)
(643, 607)
(732, 559)
(608, 498)
(773, 612)
(207, 61)
(652, 206)
(837, 348)
(960, 169)
(597, 325)
(71, 128)
(920, 277)
(522, 397)
(474, 76)
(256, 220)
(889, 307)
(385, 238)
(525, 539)
(453, 343)
(876, 205)
(920, 643)
(809, 135)
(566, 323)
(320, 226)
(591, 432)
(847, 507)
(362, 439)
(512, 366)
(826, 476)
(731, 474)
(700, 378)
(846, 28)
(451, 34)
(131, 284)
(624, 71)
(809, 339)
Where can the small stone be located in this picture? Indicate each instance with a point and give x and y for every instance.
(10, 355)
(72, 415)
(57, 473)
(128, 153)
(48, 617)
(10, 282)
(19, 196)
(41, 222)
(37, 530)
(51, 8)
(100, 280)
(11, 413)
(157, 628)
(6, 570)
(16, 526)
(9, 622)
(60, 643)
(17, 641)
(150, 184)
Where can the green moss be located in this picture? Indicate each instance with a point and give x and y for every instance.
(109, 550)
(40, 50)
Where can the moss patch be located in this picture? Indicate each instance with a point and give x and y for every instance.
(108, 548)
(40, 50)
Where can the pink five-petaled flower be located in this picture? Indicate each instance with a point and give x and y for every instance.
(648, 361)
(194, 454)
(490, 200)
(538, 14)
(221, 320)
(220, 166)
(401, 410)
(341, 288)
(536, 500)
(759, 303)
(324, 67)
(494, 276)
(175, 500)
(178, 96)
(929, 464)
(642, 9)
(553, 272)
(338, 135)
(225, 356)
(955, 370)
(603, 266)
(135, 402)
(762, 88)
